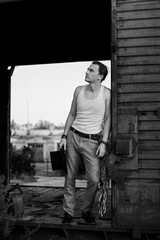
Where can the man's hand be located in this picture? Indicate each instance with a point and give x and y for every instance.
(63, 144)
(101, 150)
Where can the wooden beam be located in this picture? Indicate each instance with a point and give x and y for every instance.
(4, 122)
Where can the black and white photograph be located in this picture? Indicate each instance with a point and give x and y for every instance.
(80, 120)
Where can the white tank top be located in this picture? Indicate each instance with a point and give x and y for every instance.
(90, 113)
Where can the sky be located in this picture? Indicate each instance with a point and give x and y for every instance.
(45, 92)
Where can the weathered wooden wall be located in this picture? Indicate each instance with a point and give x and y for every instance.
(136, 89)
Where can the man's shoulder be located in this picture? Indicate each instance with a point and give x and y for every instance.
(106, 88)
(107, 91)
(77, 90)
(79, 87)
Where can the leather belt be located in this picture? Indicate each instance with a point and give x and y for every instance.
(85, 135)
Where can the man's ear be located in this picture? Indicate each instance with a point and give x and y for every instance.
(100, 77)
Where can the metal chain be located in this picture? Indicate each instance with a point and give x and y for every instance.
(104, 188)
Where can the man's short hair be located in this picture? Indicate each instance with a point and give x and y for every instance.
(102, 69)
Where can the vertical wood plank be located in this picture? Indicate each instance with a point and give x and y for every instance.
(114, 71)
(4, 122)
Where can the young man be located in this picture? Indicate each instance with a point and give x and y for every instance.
(88, 119)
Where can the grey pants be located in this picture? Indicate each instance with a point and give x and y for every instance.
(77, 146)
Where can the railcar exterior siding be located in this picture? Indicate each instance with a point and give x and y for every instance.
(136, 110)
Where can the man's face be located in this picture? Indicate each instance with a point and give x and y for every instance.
(92, 73)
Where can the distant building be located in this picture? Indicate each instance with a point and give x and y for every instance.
(41, 141)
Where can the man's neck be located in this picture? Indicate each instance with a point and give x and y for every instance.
(94, 87)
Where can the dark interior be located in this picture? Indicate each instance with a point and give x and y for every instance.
(39, 32)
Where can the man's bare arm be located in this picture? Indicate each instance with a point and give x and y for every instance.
(101, 150)
(71, 117)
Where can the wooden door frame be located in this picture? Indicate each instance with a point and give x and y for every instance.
(114, 72)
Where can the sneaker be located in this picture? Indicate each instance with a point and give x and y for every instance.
(88, 217)
(67, 218)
